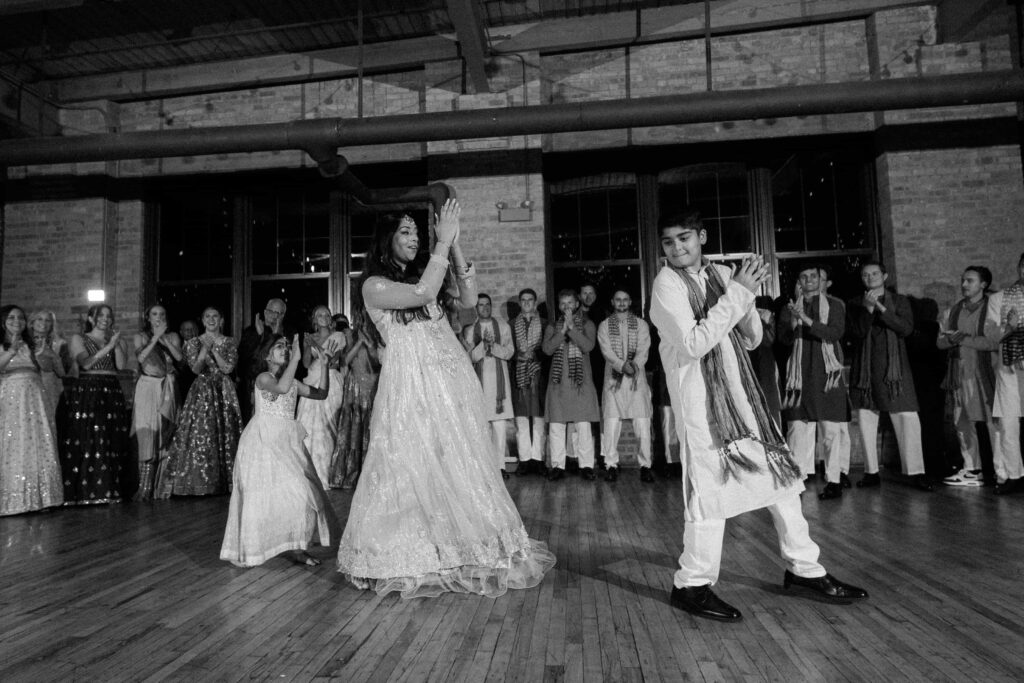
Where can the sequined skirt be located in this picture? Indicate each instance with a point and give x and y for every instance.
(29, 473)
(93, 423)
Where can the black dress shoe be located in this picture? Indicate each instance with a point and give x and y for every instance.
(523, 468)
(869, 480)
(701, 601)
(832, 490)
(504, 474)
(827, 587)
(921, 483)
(844, 480)
(555, 473)
(612, 474)
(1010, 486)
(646, 475)
(588, 473)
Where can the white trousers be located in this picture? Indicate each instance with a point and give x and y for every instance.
(582, 443)
(669, 434)
(610, 440)
(907, 426)
(802, 437)
(1007, 459)
(499, 434)
(531, 446)
(702, 546)
(967, 436)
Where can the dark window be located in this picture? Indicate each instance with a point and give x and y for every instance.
(720, 193)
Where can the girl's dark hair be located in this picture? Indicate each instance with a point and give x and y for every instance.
(341, 322)
(264, 351)
(93, 312)
(147, 327)
(381, 263)
(26, 336)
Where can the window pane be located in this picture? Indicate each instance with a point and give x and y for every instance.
(264, 235)
(290, 234)
(565, 228)
(186, 302)
(819, 201)
(593, 208)
(318, 236)
(852, 206)
(195, 236)
(736, 235)
(623, 224)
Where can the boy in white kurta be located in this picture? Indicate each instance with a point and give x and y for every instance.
(625, 341)
(734, 456)
(490, 345)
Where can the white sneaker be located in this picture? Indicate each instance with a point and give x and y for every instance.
(962, 478)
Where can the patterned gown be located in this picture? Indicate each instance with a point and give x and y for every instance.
(353, 438)
(320, 418)
(277, 503)
(29, 472)
(431, 512)
(202, 453)
(92, 424)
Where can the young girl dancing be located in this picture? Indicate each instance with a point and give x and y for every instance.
(277, 502)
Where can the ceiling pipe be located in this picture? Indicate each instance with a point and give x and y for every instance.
(318, 136)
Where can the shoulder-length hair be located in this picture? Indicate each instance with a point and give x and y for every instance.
(44, 314)
(93, 312)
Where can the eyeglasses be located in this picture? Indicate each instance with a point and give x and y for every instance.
(274, 311)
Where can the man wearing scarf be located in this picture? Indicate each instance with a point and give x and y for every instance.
(625, 341)
(970, 375)
(880, 379)
(527, 395)
(571, 396)
(489, 342)
(815, 399)
(1005, 325)
(734, 456)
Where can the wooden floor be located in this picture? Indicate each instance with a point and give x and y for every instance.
(136, 592)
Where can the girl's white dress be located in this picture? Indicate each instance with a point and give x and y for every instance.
(277, 501)
(431, 512)
(320, 418)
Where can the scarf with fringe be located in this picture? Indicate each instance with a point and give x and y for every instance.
(615, 333)
(527, 334)
(894, 354)
(492, 335)
(1012, 346)
(795, 366)
(568, 354)
(724, 420)
(952, 382)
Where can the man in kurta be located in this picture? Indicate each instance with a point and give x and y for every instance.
(970, 376)
(1005, 325)
(880, 378)
(815, 398)
(734, 456)
(571, 397)
(527, 394)
(490, 346)
(625, 341)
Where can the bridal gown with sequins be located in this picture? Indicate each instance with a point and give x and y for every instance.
(431, 512)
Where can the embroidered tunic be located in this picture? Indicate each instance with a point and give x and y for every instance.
(622, 399)
(816, 404)
(501, 351)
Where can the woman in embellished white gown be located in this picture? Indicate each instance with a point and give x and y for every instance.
(320, 418)
(29, 471)
(278, 504)
(431, 512)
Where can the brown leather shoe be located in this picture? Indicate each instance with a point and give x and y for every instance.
(701, 601)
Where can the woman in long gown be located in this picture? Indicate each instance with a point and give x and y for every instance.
(29, 472)
(361, 376)
(431, 512)
(278, 504)
(155, 409)
(92, 420)
(202, 453)
(51, 352)
(320, 417)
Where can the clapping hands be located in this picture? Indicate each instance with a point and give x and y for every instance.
(752, 273)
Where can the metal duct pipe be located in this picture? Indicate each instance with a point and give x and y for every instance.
(322, 134)
(435, 193)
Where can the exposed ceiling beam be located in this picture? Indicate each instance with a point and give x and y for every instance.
(961, 20)
(321, 138)
(24, 112)
(469, 29)
(24, 6)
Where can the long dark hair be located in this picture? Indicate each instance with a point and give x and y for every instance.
(380, 262)
(93, 312)
(264, 351)
(26, 337)
(147, 326)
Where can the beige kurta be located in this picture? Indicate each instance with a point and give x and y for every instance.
(684, 342)
(500, 355)
(625, 401)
